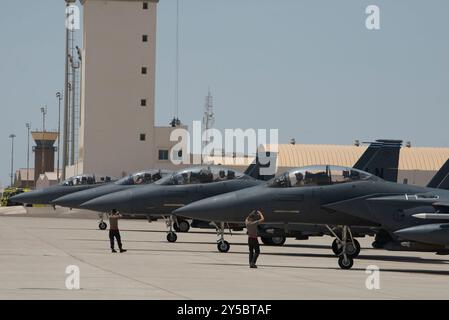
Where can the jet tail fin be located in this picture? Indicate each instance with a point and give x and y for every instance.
(381, 159)
(441, 178)
(254, 168)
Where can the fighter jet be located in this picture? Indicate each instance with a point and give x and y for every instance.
(331, 196)
(381, 158)
(174, 191)
(74, 200)
(71, 185)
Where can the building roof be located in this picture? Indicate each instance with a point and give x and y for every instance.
(22, 174)
(50, 176)
(298, 155)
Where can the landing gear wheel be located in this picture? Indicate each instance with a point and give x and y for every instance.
(345, 263)
(102, 226)
(353, 249)
(337, 248)
(223, 246)
(172, 237)
(278, 241)
(267, 241)
(183, 226)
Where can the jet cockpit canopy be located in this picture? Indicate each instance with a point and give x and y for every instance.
(319, 176)
(84, 179)
(143, 177)
(205, 174)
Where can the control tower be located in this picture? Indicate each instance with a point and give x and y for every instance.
(44, 152)
(117, 131)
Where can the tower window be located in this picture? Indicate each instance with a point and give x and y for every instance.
(143, 137)
(145, 38)
(143, 102)
(144, 70)
(145, 6)
(163, 154)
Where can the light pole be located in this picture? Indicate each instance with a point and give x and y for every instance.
(28, 125)
(44, 114)
(75, 65)
(59, 96)
(12, 136)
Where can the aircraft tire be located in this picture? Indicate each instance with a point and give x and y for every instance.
(345, 264)
(278, 241)
(223, 246)
(183, 226)
(172, 237)
(356, 249)
(102, 226)
(267, 241)
(335, 247)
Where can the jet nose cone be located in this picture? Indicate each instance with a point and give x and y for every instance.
(121, 201)
(219, 208)
(27, 197)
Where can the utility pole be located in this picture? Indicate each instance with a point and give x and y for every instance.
(75, 65)
(12, 136)
(28, 125)
(59, 97)
(66, 95)
(44, 114)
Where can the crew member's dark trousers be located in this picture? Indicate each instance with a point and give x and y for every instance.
(254, 250)
(115, 234)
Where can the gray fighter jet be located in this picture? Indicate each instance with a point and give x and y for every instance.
(74, 200)
(330, 196)
(381, 159)
(71, 185)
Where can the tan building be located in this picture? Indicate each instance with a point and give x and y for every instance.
(46, 180)
(117, 133)
(24, 178)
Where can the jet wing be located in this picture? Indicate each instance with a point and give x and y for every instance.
(366, 207)
(357, 207)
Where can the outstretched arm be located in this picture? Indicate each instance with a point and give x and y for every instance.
(262, 218)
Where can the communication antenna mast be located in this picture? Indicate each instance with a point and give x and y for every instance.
(208, 117)
(176, 122)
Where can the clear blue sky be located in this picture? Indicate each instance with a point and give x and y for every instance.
(309, 68)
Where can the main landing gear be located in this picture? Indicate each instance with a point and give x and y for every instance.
(181, 226)
(346, 248)
(175, 225)
(274, 241)
(222, 245)
(102, 225)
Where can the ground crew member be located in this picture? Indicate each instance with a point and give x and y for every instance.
(114, 231)
(252, 221)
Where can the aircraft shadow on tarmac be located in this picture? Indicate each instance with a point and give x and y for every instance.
(410, 259)
(417, 271)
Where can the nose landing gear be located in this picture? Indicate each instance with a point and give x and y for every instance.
(222, 245)
(346, 249)
(102, 225)
(171, 235)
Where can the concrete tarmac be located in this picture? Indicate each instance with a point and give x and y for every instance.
(35, 252)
